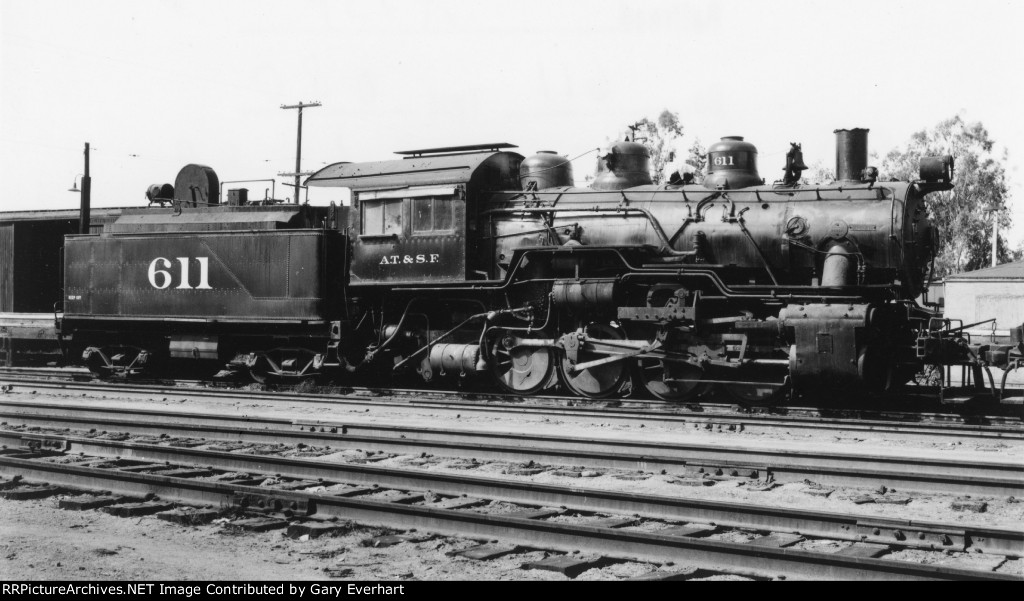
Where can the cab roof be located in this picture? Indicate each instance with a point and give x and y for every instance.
(454, 168)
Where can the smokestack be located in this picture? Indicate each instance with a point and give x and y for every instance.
(851, 153)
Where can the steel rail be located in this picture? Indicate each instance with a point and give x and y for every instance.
(808, 418)
(606, 452)
(837, 469)
(715, 555)
(1010, 431)
(660, 406)
(1002, 434)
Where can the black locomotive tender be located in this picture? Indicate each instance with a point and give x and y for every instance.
(473, 261)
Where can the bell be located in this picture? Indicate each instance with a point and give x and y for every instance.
(794, 164)
(795, 157)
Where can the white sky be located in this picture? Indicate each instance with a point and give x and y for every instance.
(154, 85)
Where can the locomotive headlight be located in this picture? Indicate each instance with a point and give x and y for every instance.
(937, 169)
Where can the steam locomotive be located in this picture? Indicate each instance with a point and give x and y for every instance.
(474, 261)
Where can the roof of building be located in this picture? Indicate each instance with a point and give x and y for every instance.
(57, 214)
(1006, 271)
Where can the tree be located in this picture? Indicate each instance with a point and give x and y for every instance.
(698, 160)
(964, 214)
(818, 173)
(659, 138)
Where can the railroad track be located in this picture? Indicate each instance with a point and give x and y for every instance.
(827, 469)
(914, 407)
(1008, 430)
(675, 507)
(786, 543)
(107, 462)
(855, 470)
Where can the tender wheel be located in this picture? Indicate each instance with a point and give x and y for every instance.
(601, 380)
(285, 364)
(121, 361)
(662, 379)
(258, 375)
(521, 370)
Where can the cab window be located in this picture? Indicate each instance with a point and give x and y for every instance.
(382, 217)
(431, 215)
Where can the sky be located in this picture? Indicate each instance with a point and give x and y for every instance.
(154, 85)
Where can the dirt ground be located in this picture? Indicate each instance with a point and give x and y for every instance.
(38, 541)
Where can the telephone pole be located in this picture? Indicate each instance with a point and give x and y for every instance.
(298, 147)
(995, 237)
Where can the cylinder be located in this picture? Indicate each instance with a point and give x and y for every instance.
(160, 193)
(837, 268)
(457, 358)
(546, 169)
(578, 294)
(851, 153)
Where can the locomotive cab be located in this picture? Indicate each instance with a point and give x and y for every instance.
(413, 220)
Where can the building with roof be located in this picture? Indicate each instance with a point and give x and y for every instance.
(991, 293)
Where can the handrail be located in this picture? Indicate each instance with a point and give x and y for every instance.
(667, 244)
